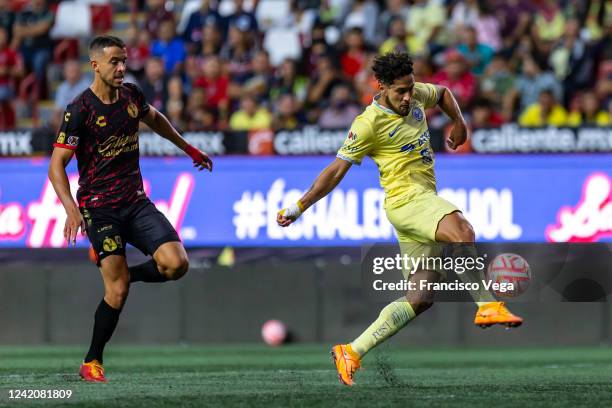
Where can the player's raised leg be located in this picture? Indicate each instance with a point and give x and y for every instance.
(455, 228)
(171, 259)
(392, 318)
(116, 287)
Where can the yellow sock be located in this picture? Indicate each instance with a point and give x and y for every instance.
(391, 319)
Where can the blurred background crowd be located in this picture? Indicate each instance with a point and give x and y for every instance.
(281, 64)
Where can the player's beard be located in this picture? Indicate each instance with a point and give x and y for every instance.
(400, 109)
(112, 84)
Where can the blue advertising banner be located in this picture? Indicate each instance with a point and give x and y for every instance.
(534, 198)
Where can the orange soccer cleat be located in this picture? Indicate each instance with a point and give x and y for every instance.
(347, 363)
(496, 313)
(92, 372)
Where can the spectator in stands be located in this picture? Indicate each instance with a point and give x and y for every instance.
(239, 51)
(355, 53)
(215, 84)
(515, 18)
(72, 86)
(203, 120)
(484, 115)
(422, 68)
(545, 112)
(288, 80)
(573, 61)
(394, 9)
(31, 37)
(243, 19)
(326, 77)
(286, 113)
(250, 116)
(341, 111)
(138, 50)
(206, 16)
(197, 116)
(260, 82)
(154, 83)
(477, 55)
(169, 47)
(464, 14)
(533, 81)
(212, 41)
(156, 15)
(10, 70)
(488, 26)
(175, 105)
(362, 15)
(549, 21)
(426, 21)
(365, 82)
(589, 112)
(456, 77)
(7, 18)
(497, 85)
(399, 40)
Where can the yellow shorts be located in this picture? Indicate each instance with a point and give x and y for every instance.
(416, 223)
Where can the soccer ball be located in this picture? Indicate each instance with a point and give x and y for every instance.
(509, 268)
(274, 332)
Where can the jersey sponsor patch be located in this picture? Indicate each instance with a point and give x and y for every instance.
(73, 141)
(101, 121)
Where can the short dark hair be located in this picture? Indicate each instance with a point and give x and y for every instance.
(103, 41)
(389, 67)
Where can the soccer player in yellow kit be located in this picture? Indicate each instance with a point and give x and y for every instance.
(393, 132)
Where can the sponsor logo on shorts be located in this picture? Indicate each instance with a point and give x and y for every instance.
(61, 138)
(104, 228)
(109, 244)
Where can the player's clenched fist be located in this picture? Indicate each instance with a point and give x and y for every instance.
(286, 216)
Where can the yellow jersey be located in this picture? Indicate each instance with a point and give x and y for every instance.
(399, 145)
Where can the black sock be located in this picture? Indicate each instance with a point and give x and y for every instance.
(146, 272)
(106, 319)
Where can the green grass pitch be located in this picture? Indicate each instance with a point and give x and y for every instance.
(259, 376)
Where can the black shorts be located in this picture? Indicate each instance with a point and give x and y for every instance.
(140, 224)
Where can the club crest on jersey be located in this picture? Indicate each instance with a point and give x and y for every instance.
(132, 110)
(101, 121)
(417, 113)
(352, 136)
(61, 138)
(67, 116)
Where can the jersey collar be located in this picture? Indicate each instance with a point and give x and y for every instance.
(379, 106)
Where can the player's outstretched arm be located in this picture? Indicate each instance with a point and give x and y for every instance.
(327, 180)
(449, 105)
(158, 123)
(59, 180)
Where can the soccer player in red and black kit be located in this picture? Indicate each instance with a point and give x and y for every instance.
(101, 126)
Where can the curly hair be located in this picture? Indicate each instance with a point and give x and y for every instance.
(389, 67)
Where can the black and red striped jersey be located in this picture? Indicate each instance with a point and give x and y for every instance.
(105, 140)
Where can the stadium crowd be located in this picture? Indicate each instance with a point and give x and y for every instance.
(535, 62)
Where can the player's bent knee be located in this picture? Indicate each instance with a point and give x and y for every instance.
(175, 267)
